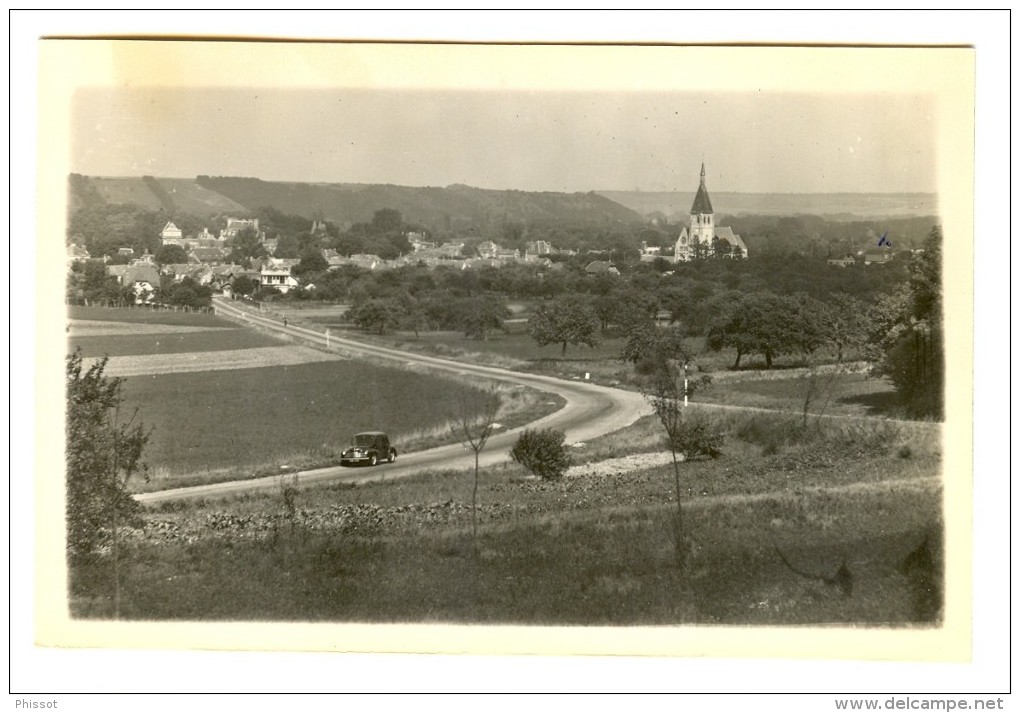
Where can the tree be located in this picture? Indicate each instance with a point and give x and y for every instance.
(651, 350)
(103, 453)
(845, 323)
(171, 255)
(187, 293)
(246, 246)
(912, 346)
(474, 427)
(244, 285)
(542, 452)
(569, 320)
(375, 315)
(765, 323)
(482, 314)
(311, 261)
(387, 220)
(685, 438)
(287, 246)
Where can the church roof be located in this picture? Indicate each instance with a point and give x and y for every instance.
(727, 234)
(702, 203)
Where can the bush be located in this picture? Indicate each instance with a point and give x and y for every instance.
(542, 452)
(695, 439)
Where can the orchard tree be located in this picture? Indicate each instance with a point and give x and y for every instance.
(768, 324)
(652, 350)
(845, 323)
(482, 314)
(378, 315)
(568, 320)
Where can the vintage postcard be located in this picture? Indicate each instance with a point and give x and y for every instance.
(505, 349)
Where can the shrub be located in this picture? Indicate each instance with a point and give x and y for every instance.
(694, 438)
(542, 452)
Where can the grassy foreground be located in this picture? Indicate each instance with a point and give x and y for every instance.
(582, 550)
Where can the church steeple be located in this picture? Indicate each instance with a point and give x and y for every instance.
(702, 203)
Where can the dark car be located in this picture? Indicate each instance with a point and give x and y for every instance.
(369, 447)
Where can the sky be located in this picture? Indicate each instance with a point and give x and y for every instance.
(571, 141)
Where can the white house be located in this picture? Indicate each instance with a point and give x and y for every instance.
(277, 273)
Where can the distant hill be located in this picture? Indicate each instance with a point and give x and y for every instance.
(453, 207)
(154, 193)
(834, 206)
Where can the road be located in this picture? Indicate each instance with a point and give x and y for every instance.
(590, 411)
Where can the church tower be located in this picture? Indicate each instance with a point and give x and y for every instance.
(702, 226)
(702, 216)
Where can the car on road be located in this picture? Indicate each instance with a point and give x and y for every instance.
(370, 447)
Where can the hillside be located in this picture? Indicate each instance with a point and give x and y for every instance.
(454, 207)
(834, 206)
(436, 208)
(182, 194)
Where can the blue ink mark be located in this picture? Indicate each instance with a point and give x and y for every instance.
(882, 241)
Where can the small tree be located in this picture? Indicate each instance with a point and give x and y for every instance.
(103, 453)
(474, 427)
(542, 452)
(660, 357)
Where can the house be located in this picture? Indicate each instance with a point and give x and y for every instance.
(172, 233)
(277, 273)
(845, 261)
(488, 249)
(236, 225)
(367, 261)
(207, 255)
(705, 237)
(147, 258)
(76, 253)
(601, 267)
(270, 244)
(143, 278)
(451, 250)
(126, 252)
(877, 256)
(539, 247)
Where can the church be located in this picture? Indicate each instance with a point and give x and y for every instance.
(701, 241)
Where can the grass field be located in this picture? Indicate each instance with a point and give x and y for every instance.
(171, 343)
(217, 424)
(845, 394)
(148, 316)
(582, 550)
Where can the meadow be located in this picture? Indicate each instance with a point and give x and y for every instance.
(244, 411)
(765, 533)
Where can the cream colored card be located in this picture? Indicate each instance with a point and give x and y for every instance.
(158, 86)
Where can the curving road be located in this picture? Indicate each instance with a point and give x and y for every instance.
(591, 411)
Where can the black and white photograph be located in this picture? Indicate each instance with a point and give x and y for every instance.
(506, 349)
